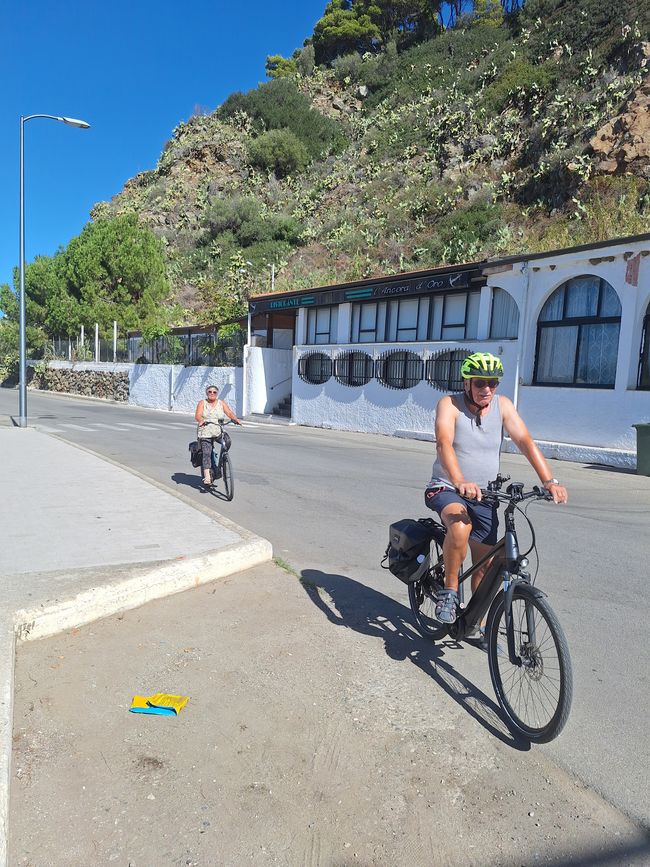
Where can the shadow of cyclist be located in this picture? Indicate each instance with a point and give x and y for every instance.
(356, 606)
(192, 480)
(196, 482)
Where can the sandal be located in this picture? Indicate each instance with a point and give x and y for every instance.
(446, 606)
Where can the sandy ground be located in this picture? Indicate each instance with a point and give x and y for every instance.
(313, 736)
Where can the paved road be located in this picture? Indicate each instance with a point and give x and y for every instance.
(325, 500)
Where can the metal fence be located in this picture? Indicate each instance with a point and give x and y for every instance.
(187, 346)
(72, 349)
(190, 347)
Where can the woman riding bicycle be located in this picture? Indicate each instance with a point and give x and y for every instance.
(209, 413)
(469, 430)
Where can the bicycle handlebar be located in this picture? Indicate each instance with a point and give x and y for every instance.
(514, 493)
(219, 422)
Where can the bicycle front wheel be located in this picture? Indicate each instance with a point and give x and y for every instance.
(228, 477)
(422, 598)
(536, 695)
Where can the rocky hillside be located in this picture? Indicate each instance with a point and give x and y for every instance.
(493, 137)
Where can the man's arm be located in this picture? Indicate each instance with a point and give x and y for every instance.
(446, 415)
(520, 435)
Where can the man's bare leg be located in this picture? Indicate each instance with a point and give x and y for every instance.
(454, 549)
(479, 550)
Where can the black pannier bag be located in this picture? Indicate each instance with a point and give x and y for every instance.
(195, 453)
(409, 540)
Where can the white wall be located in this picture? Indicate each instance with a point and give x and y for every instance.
(588, 417)
(268, 377)
(374, 407)
(166, 386)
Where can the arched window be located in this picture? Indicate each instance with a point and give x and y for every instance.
(504, 322)
(315, 368)
(400, 369)
(644, 362)
(353, 368)
(577, 335)
(443, 370)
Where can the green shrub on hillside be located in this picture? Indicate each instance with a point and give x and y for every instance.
(306, 60)
(242, 221)
(348, 68)
(454, 56)
(278, 105)
(278, 151)
(520, 83)
(465, 234)
(605, 30)
(605, 207)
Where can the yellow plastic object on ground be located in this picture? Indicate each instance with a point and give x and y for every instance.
(161, 703)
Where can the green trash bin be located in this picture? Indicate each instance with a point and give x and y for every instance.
(642, 448)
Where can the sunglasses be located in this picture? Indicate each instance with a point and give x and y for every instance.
(491, 383)
(213, 391)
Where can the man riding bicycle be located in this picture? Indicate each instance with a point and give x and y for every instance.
(469, 431)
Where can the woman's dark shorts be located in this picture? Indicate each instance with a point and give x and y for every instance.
(484, 518)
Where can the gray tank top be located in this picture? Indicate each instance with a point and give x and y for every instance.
(477, 447)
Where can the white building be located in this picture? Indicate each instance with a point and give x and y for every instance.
(572, 327)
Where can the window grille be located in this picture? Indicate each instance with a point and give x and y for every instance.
(354, 368)
(315, 368)
(400, 369)
(577, 335)
(443, 370)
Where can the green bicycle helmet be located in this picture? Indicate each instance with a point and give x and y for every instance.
(483, 365)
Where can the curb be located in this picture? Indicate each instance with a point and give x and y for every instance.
(96, 603)
(125, 588)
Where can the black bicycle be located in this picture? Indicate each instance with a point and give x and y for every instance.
(528, 655)
(220, 464)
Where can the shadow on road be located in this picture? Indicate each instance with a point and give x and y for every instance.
(624, 854)
(192, 480)
(355, 606)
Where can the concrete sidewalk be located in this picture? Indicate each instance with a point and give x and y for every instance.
(83, 538)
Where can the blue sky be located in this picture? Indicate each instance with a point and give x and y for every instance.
(133, 70)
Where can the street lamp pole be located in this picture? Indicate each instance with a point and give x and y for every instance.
(22, 340)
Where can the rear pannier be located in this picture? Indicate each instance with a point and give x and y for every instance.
(408, 545)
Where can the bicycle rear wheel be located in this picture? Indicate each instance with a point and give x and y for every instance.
(228, 477)
(535, 696)
(422, 598)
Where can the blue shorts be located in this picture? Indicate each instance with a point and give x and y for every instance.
(484, 517)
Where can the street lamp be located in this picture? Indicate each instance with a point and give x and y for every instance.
(22, 342)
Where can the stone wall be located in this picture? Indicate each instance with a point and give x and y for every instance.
(110, 385)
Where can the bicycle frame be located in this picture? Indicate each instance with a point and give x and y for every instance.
(216, 458)
(505, 568)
